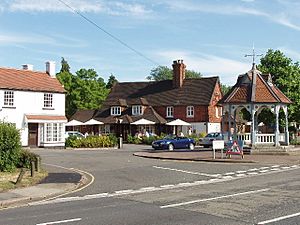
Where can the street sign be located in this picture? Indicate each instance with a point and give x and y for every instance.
(217, 144)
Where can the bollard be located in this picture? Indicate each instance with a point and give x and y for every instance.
(38, 164)
(120, 142)
(32, 168)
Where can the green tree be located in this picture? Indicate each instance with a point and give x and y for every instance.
(165, 73)
(225, 88)
(85, 89)
(111, 81)
(64, 66)
(286, 76)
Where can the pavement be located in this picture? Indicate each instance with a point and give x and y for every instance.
(61, 181)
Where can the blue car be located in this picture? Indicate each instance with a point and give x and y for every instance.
(171, 142)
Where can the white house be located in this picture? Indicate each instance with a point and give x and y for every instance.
(35, 102)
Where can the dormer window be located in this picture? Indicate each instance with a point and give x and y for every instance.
(190, 111)
(115, 111)
(170, 112)
(137, 110)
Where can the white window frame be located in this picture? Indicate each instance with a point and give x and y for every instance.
(137, 110)
(190, 111)
(9, 98)
(218, 111)
(170, 112)
(48, 100)
(53, 132)
(115, 110)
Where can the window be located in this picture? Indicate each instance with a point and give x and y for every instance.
(137, 110)
(170, 111)
(48, 100)
(8, 98)
(54, 132)
(218, 111)
(115, 110)
(190, 111)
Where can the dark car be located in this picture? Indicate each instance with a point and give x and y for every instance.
(209, 138)
(173, 142)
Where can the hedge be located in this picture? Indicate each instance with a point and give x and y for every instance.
(92, 142)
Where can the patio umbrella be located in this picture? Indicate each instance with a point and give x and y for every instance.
(177, 122)
(74, 123)
(93, 122)
(143, 122)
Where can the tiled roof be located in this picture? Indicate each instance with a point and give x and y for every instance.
(256, 88)
(83, 115)
(162, 93)
(27, 80)
(45, 117)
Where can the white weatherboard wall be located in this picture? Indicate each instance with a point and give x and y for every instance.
(29, 102)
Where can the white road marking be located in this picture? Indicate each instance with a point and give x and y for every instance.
(210, 199)
(241, 171)
(230, 173)
(241, 175)
(58, 222)
(252, 173)
(275, 169)
(263, 168)
(285, 167)
(188, 172)
(264, 171)
(279, 218)
(254, 169)
(275, 166)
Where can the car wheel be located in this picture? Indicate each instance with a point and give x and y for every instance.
(171, 147)
(191, 146)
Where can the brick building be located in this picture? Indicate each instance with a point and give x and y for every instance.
(192, 100)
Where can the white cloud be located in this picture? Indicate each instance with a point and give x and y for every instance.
(287, 11)
(115, 8)
(209, 65)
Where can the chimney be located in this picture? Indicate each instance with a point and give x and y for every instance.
(178, 73)
(50, 68)
(27, 67)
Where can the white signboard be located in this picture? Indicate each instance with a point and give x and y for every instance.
(218, 144)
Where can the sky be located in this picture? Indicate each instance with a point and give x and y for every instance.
(130, 38)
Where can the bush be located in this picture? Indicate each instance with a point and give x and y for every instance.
(92, 142)
(26, 157)
(10, 147)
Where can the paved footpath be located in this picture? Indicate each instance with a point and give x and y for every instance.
(58, 182)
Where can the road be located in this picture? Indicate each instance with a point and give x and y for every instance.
(132, 190)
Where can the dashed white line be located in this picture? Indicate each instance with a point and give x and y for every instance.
(230, 173)
(274, 166)
(264, 171)
(61, 221)
(279, 218)
(241, 175)
(252, 173)
(210, 199)
(254, 169)
(285, 167)
(185, 171)
(241, 171)
(263, 168)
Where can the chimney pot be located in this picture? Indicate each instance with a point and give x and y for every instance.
(27, 67)
(50, 68)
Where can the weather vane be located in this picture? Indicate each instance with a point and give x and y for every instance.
(253, 55)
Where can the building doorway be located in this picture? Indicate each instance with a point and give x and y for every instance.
(32, 134)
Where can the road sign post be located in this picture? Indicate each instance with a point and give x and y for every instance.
(218, 144)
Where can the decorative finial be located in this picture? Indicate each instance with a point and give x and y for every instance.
(253, 55)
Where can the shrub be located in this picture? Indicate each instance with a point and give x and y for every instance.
(92, 142)
(10, 146)
(26, 157)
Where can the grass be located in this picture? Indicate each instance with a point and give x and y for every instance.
(8, 180)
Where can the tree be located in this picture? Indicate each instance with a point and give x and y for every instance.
(111, 81)
(165, 73)
(85, 89)
(225, 88)
(286, 76)
(64, 66)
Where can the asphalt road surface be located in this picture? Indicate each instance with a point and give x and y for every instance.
(136, 191)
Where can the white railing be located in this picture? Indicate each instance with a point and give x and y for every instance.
(265, 138)
(246, 137)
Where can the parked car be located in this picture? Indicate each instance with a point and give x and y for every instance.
(209, 138)
(172, 142)
(76, 134)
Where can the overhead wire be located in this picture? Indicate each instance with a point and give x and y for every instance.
(109, 34)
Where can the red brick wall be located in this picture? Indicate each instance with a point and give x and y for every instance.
(213, 118)
(200, 113)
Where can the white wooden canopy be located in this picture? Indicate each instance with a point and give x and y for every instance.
(143, 122)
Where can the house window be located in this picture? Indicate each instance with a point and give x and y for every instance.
(190, 111)
(170, 111)
(218, 112)
(54, 132)
(137, 110)
(115, 110)
(8, 98)
(48, 100)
